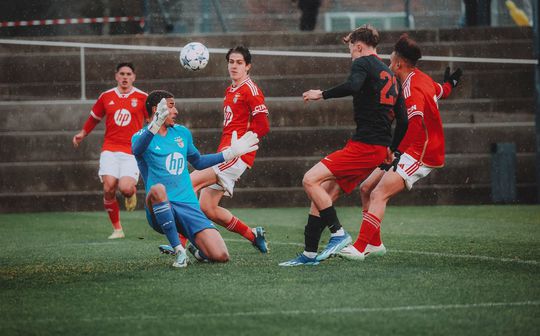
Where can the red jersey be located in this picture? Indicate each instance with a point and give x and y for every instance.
(424, 139)
(125, 115)
(242, 106)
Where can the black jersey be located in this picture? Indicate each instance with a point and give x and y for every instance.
(377, 100)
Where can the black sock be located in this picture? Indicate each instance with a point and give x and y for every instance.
(329, 218)
(312, 233)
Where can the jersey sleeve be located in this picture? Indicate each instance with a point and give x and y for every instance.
(442, 90)
(414, 101)
(98, 110)
(353, 84)
(259, 114)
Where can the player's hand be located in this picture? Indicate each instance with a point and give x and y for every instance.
(312, 95)
(78, 138)
(162, 112)
(393, 164)
(453, 78)
(247, 143)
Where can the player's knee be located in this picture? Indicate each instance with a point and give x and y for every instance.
(221, 256)
(365, 189)
(377, 195)
(127, 191)
(308, 181)
(209, 210)
(158, 191)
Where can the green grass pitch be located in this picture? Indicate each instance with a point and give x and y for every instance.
(449, 270)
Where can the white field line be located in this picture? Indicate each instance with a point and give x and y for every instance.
(426, 253)
(341, 310)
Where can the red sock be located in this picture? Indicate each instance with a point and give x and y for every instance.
(183, 240)
(370, 225)
(113, 210)
(236, 225)
(376, 239)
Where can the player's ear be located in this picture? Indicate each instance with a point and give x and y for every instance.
(248, 67)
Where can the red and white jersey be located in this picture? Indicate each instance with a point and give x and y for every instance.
(426, 142)
(125, 114)
(240, 105)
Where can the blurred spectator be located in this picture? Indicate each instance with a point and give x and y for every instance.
(477, 12)
(310, 10)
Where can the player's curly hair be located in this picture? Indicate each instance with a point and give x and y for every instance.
(365, 33)
(408, 49)
(242, 51)
(154, 98)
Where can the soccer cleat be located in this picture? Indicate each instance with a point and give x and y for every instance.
(196, 253)
(181, 260)
(300, 260)
(335, 245)
(260, 239)
(166, 249)
(117, 234)
(375, 251)
(350, 252)
(131, 202)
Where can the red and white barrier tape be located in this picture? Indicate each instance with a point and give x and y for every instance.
(50, 22)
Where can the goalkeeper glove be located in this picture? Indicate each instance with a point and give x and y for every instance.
(162, 112)
(393, 164)
(453, 78)
(247, 143)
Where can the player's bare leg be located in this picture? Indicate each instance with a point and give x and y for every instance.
(390, 184)
(110, 185)
(211, 244)
(203, 178)
(315, 181)
(209, 200)
(127, 187)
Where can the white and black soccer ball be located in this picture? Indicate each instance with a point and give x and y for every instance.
(194, 56)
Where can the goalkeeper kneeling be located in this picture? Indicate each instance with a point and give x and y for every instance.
(162, 150)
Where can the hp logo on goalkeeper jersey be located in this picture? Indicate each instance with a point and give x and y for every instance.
(175, 163)
(122, 117)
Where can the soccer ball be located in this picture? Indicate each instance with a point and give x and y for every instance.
(194, 56)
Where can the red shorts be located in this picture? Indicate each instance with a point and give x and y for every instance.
(353, 164)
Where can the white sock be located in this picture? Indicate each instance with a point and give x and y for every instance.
(179, 249)
(339, 232)
(310, 254)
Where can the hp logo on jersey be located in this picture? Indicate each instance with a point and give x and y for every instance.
(175, 163)
(122, 117)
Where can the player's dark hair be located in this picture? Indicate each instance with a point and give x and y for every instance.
(154, 98)
(366, 34)
(408, 49)
(242, 51)
(125, 64)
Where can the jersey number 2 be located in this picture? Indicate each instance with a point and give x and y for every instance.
(389, 91)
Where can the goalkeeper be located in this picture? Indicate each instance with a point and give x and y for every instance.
(162, 150)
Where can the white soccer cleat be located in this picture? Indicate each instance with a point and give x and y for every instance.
(117, 234)
(350, 252)
(375, 251)
(131, 202)
(181, 259)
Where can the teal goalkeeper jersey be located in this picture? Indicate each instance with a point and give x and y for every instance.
(165, 161)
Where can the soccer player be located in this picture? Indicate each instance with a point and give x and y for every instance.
(422, 146)
(243, 110)
(123, 109)
(376, 102)
(162, 151)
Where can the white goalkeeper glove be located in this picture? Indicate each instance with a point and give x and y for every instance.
(162, 112)
(247, 143)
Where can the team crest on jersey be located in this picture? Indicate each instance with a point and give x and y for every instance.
(134, 102)
(236, 96)
(179, 141)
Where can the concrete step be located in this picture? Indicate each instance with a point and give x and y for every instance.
(41, 177)
(475, 84)
(284, 112)
(280, 142)
(266, 197)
